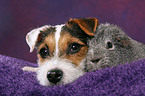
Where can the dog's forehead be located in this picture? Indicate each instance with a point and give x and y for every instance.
(48, 31)
(74, 31)
(57, 32)
(59, 42)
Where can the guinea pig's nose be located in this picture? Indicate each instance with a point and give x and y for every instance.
(54, 76)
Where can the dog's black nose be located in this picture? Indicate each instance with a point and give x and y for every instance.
(54, 76)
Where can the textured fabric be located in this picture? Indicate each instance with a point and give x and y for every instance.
(128, 79)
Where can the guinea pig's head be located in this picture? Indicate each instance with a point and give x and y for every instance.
(108, 47)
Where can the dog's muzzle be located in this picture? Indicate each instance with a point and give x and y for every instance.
(58, 73)
(54, 76)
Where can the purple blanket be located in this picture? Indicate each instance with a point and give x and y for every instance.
(126, 80)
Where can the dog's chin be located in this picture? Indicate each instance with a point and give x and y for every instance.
(70, 72)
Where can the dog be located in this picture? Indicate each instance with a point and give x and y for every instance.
(61, 50)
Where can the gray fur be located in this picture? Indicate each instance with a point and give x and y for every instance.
(125, 49)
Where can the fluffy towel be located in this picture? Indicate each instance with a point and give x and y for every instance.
(128, 79)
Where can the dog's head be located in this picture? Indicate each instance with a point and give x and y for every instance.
(61, 50)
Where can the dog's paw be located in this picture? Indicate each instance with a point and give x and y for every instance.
(32, 69)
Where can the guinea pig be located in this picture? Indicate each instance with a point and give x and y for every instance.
(111, 46)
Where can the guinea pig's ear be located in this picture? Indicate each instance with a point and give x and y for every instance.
(33, 36)
(123, 41)
(88, 25)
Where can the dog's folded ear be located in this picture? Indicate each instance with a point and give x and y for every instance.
(32, 37)
(88, 25)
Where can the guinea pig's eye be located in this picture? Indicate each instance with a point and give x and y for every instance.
(74, 48)
(109, 45)
(44, 52)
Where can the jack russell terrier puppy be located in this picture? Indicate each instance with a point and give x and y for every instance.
(61, 50)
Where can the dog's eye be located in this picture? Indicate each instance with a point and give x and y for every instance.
(74, 48)
(109, 45)
(44, 52)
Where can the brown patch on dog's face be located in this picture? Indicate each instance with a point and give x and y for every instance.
(72, 43)
(64, 48)
(66, 42)
(78, 57)
(48, 43)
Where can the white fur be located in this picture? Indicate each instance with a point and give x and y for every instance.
(70, 71)
(57, 36)
(32, 36)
